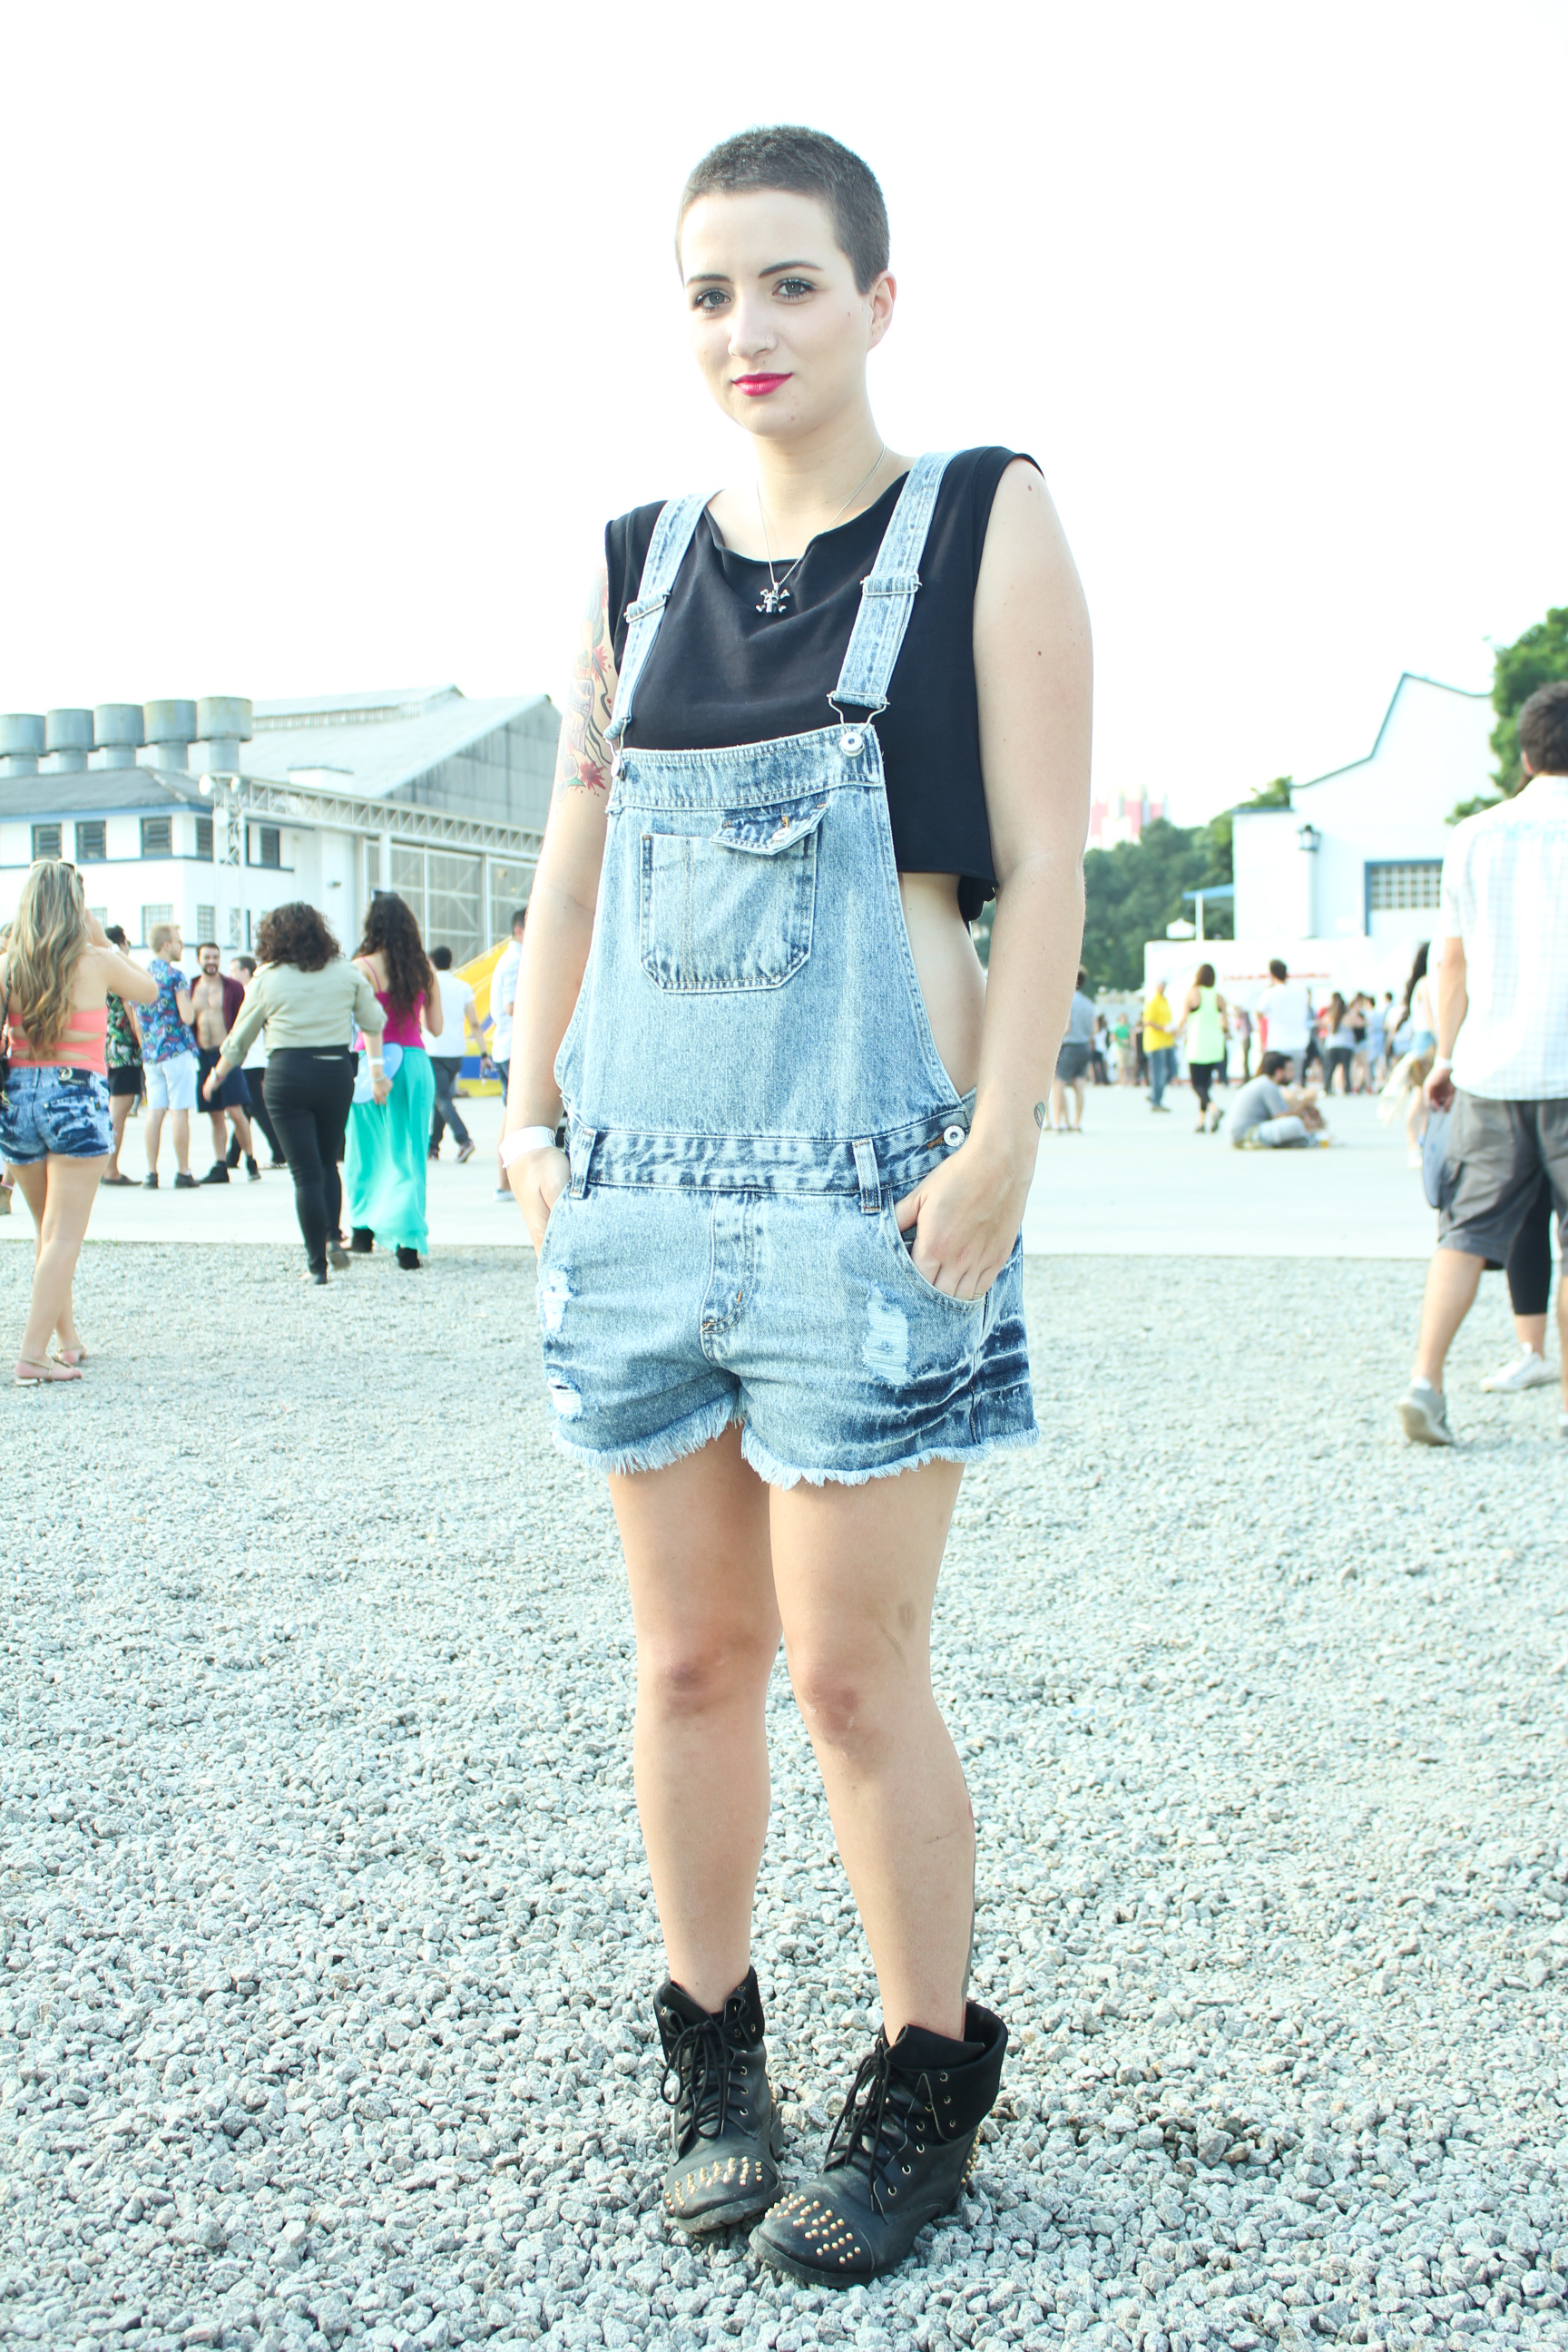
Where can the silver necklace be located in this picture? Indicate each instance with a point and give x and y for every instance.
(776, 596)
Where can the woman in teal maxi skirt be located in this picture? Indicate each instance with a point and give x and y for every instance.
(389, 1143)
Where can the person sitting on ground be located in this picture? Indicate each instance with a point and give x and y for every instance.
(1269, 1113)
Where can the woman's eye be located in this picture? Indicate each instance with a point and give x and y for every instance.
(710, 299)
(793, 288)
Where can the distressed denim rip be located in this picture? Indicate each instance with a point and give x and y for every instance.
(750, 1084)
(53, 1108)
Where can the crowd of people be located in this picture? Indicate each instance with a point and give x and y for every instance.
(338, 1062)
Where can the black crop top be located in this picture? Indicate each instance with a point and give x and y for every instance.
(721, 673)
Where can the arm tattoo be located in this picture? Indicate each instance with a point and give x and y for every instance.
(583, 761)
(1040, 1116)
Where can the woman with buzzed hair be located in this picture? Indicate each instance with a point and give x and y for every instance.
(773, 1130)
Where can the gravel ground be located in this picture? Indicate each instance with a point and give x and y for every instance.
(327, 1954)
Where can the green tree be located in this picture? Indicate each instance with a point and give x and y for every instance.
(1534, 659)
(1136, 889)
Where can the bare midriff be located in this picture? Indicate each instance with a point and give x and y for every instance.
(952, 979)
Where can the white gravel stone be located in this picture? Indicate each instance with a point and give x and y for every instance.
(325, 1945)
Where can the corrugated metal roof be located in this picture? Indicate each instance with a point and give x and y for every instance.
(97, 792)
(379, 757)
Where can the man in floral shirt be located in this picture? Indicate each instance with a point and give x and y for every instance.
(169, 1055)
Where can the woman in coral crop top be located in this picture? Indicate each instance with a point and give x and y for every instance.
(56, 973)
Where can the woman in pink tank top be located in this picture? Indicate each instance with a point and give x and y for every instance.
(389, 1142)
(56, 972)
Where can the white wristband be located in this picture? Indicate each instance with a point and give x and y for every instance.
(525, 1139)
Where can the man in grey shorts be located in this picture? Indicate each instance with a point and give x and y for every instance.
(1502, 1045)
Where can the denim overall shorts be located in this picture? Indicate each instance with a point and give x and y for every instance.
(750, 1084)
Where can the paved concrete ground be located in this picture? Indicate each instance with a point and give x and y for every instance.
(325, 1940)
(1134, 1184)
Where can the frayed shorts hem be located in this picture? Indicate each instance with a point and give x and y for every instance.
(776, 1473)
(699, 1429)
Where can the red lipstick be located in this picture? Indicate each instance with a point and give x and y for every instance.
(756, 387)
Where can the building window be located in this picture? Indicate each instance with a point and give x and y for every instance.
(91, 844)
(372, 869)
(235, 939)
(269, 845)
(206, 926)
(151, 915)
(204, 836)
(46, 840)
(509, 886)
(157, 836)
(1404, 889)
(444, 892)
(99, 915)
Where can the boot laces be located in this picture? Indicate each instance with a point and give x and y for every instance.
(695, 2084)
(872, 2127)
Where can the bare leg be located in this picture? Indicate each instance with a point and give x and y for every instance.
(854, 1569)
(182, 1126)
(695, 1539)
(61, 1194)
(240, 1121)
(1452, 1280)
(220, 1134)
(119, 1112)
(1077, 1101)
(152, 1138)
(1563, 1336)
(1058, 1104)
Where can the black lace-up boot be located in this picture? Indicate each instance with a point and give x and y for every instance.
(898, 2156)
(724, 2136)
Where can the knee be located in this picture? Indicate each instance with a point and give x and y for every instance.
(843, 1703)
(699, 1672)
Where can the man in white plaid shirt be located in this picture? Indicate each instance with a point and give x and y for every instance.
(1502, 1046)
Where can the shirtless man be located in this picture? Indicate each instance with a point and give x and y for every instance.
(214, 1007)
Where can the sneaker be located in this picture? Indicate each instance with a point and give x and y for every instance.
(217, 1174)
(149, 1181)
(337, 1255)
(275, 1164)
(186, 1182)
(503, 1192)
(231, 1157)
(464, 1150)
(1424, 1415)
(252, 1172)
(1526, 1370)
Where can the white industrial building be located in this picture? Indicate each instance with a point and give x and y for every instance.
(210, 813)
(1344, 882)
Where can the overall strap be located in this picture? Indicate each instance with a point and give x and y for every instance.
(672, 538)
(887, 593)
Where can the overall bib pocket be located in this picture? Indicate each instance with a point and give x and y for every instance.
(731, 908)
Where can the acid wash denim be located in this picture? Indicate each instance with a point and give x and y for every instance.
(51, 1108)
(752, 1085)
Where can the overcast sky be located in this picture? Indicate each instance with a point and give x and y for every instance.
(334, 332)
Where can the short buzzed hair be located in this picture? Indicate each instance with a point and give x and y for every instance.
(1544, 729)
(803, 162)
(442, 958)
(160, 935)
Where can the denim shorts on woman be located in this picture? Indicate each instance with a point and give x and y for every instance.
(753, 1086)
(59, 1110)
(670, 1309)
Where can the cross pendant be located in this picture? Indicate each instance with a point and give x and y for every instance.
(773, 600)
